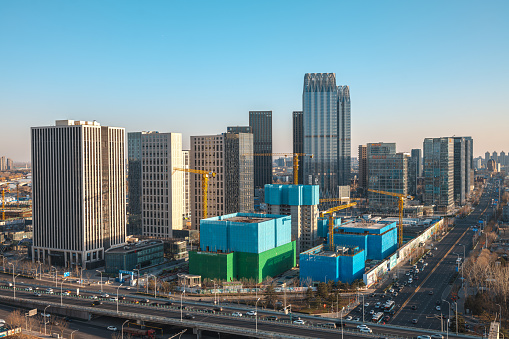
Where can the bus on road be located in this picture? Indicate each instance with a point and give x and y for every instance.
(377, 317)
(389, 306)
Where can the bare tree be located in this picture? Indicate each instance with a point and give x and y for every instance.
(62, 325)
(16, 318)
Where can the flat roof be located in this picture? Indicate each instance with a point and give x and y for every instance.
(247, 220)
(128, 247)
(365, 225)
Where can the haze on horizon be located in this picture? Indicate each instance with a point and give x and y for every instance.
(415, 69)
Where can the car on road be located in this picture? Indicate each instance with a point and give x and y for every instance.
(378, 304)
(328, 325)
(437, 336)
(414, 321)
(271, 318)
(357, 319)
(395, 294)
(430, 292)
(218, 309)
(299, 322)
(251, 313)
(144, 301)
(407, 273)
(436, 249)
(365, 330)
(361, 326)
(236, 314)
(113, 299)
(414, 307)
(438, 308)
(387, 318)
(349, 317)
(28, 288)
(366, 304)
(423, 337)
(105, 295)
(372, 312)
(94, 297)
(438, 302)
(66, 293)
(425, 264)
(37, 294)
(112, 328)
(391, 290)
(189, 316)
(416, 277)
(97, 302)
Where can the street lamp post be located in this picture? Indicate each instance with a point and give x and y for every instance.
(363, 308)
(61, 291)
(40, 270)
(101, 279)
(181, 292)
(137, 279)
(45, 319)
(14, 283)
(117, 295)
(457, 324)
(123, 328)
(448, 318)
(342, 322)
(53, 267)
(256, 313)
(12, 269)
(155, 286)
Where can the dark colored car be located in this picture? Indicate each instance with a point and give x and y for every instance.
(169, 303)
(438, 302)
(387, 318)
(189, 316)
(414, 307)
(218, 309)
(144, 301)
(414, 321)
(272, 317)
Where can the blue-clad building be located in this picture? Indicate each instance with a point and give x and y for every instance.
(345, 264)
(244, 232)
(379, 240)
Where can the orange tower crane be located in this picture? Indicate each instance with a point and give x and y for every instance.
(295, 161)
(401, 202)
(331, 212)
(205, 175)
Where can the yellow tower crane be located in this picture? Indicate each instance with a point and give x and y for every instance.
(205, 175)
(331, 212)
(295, 161)
(3, 202)
(401, 200)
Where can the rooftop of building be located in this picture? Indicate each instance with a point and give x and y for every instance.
(125, 248)
(76, 122)
(364, 225)
(247, 220)
(323, 251)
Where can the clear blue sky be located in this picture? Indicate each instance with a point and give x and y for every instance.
(415, 69)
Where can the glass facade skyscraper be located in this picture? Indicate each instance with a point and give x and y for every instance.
(439, 173)
(298, 138)
(326, 120)
(261, 124)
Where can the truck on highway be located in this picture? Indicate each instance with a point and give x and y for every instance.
(142, 333)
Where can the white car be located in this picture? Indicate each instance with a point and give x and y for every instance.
(372, 312)
(94, 297)
(361, 326)
(437, 336)
(365, 330)
(425, 264)
(113, 299)
(366, 304)
(28, 288)
(391, 290)
(299, 322)
(378, 304)
(438, 308)
(349, 317)
(105, 295)
(49, 290)
(251, 313)
(236, 314)
(423, 337)
(111, 328)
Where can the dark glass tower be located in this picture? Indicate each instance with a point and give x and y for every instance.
(261, 123)
(298, 138)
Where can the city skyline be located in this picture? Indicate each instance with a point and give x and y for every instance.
(415, 70)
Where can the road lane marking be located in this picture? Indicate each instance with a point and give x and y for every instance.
(429, 275)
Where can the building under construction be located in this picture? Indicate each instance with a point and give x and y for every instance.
(244, 246)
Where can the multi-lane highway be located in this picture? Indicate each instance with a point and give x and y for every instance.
(416, 302)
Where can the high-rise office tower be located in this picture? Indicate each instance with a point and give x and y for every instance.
(502, 158)
(459, 171)
(79, 190)
(439, 173)
(387, 171)
(10, 164)
(134, 184)
(414, 170)
(3, 164)
(162, 188)
(207, 154)
(326, 110)
(238, 160)
(261, 123)
(494, 156)
(363, 168)
(298, 138)
(187, 183)
(469, 165)
(487, 157)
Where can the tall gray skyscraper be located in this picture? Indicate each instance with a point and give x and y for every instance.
(326, 110)
(298, 139)
(414, 170)
(134, 183)
(387, 171)
(158, 190)
(79, 190)
(463, 167)
(261, 123)
(439, 173)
